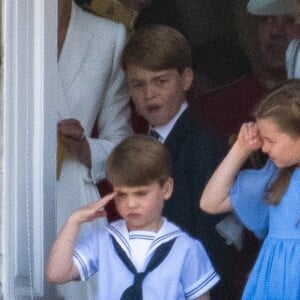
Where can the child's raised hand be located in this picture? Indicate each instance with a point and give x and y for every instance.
(91, 211)
(249, 138)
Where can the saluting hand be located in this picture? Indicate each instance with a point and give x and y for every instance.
(92, 211)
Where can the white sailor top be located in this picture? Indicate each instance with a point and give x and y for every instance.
(186, 272)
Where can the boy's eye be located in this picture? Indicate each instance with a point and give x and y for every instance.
(142, 193)
(136, 85)
(161, 81)
(120, 196)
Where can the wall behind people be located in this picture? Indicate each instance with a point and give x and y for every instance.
(207, 20)
(246, 26)
(197, 20)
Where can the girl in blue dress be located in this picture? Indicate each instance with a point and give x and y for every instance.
(267, 201)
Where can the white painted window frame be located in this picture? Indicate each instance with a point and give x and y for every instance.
(29, 87)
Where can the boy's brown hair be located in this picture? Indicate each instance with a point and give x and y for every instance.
(138, 160)
(157, 48)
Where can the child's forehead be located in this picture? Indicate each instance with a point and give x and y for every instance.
(136, 72)
(128, 188)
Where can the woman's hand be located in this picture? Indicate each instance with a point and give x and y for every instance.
(71, 134)
(70, 131)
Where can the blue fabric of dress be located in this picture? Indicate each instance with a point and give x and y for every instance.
(276, 273)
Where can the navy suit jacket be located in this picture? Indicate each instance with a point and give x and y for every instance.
(196, 151)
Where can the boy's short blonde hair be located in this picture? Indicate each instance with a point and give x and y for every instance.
(157, 48)
(138, 160)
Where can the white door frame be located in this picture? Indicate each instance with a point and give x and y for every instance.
(27, 200)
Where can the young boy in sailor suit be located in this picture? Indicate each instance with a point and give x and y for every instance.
(143, 255)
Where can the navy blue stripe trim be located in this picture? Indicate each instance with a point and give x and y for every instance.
(82, 264)
(142, 237)
(164, 237)
(120, 236)
(202, 285)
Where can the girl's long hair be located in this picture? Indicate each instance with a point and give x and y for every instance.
(282, 106)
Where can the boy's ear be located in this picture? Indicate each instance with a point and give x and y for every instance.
(187, 78)
(168, 188)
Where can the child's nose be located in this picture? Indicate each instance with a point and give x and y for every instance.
(131, 202)
(149, 92)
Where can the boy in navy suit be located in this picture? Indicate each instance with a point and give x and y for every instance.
(157, 63)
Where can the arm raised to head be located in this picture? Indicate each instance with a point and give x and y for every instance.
(215, 197)
(60, 267)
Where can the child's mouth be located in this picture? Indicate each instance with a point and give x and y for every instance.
(152, 108)
(133, 216)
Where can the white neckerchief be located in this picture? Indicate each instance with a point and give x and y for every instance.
(119, 231)
(140, 242)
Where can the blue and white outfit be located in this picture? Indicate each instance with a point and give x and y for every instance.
(186, 272)
(276, 273)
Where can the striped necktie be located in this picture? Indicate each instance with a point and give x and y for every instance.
(154, 134)
(135, 291)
